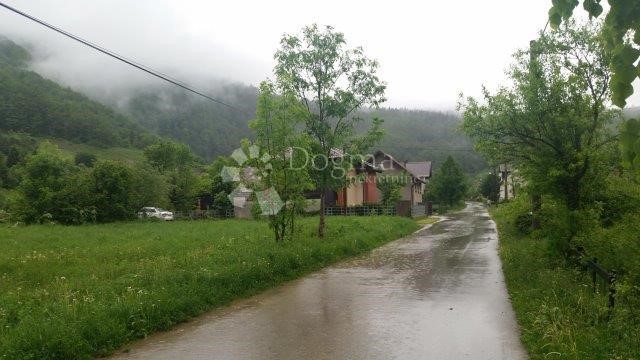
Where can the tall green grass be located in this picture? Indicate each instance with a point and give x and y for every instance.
(559, 314)
(77, 292)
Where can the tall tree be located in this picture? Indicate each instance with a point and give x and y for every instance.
(621, 34)
(43, 178)
(490, 187)
(282, 169)
(175, 161)
(333, 82)
(552, 123)
(449, 184)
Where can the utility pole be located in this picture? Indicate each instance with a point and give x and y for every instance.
(505, 178)
(536, 198)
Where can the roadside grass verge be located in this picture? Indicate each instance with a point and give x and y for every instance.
(426, 220)
(78, 292)
(559, 314)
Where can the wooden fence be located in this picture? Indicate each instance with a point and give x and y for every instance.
(203, 214)
(362, 210)
(601, 278)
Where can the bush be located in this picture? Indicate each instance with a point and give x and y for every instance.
(621, 197)
(490, 187)
(4, 217)
(618, 248)
(559, 313)
(523, 223)
(85, 159)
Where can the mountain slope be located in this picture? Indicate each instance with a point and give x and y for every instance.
(419, 135)
(210, 129)
(34, 105)
(41, 108)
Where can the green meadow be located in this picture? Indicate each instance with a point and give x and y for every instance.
(83, 291)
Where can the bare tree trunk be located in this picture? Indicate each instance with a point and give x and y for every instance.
(513, 186)
(536, 205)
(506, 185)
(323, 196)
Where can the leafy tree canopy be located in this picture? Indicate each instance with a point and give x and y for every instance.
(622, 38)
(449, 184)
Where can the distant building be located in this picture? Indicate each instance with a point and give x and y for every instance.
(507, 181)
(415, 175)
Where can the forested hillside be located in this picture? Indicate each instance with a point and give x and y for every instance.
(213, 130)
(41, 108)
(419, 135)
(210, 129)
(34, 105)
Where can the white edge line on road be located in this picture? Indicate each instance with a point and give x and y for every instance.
(440, 218)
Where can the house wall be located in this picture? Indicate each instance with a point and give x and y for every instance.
(370, 189)
(352, 195)
(405, 192)
(417, 194)
(355, 194)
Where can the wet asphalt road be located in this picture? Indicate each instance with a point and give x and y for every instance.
(438, 294)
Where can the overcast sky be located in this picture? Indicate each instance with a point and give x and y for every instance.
(429, 50)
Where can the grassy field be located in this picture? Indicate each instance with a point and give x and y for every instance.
(77, 292)
(128, 155)
(559, 314)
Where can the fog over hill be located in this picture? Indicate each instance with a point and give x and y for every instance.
(209, 128)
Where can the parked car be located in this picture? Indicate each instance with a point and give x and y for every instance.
(155, 213)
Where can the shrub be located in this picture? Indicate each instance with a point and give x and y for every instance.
(621, 197)
(618, 248)
(86, 159)
(523, 222)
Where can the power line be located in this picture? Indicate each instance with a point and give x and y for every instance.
(426, 148)
(116, 56)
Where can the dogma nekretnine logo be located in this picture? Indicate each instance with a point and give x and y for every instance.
(249, 182)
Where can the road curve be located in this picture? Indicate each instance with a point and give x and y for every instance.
(438, 294)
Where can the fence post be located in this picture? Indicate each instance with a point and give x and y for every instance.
(612, 289)
(593, 274)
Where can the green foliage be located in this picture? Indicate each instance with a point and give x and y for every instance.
(44, 177)
(618, 248)
(209, 129)
(176, 160)
(85, 159)
(4, 171)
(168, 155)
(286, 173)
(490, 187)
(622, 37)
(630, 145)
(183, 189)
(149, 188)
(390, 190)
(552, 123)
(111, 183)
(16, 147)
(449, 184)
(422, 135)
(523, 222)
(40, 107)
(12, 55)
(557, 310)
(221, 202)
(76, 292)
(333, 82)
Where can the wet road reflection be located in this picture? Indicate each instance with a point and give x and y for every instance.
(439, 294)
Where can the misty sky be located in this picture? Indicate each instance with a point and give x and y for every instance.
(429, 50)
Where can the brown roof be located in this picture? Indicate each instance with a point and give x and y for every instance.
(420, 168)
(401, 165)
